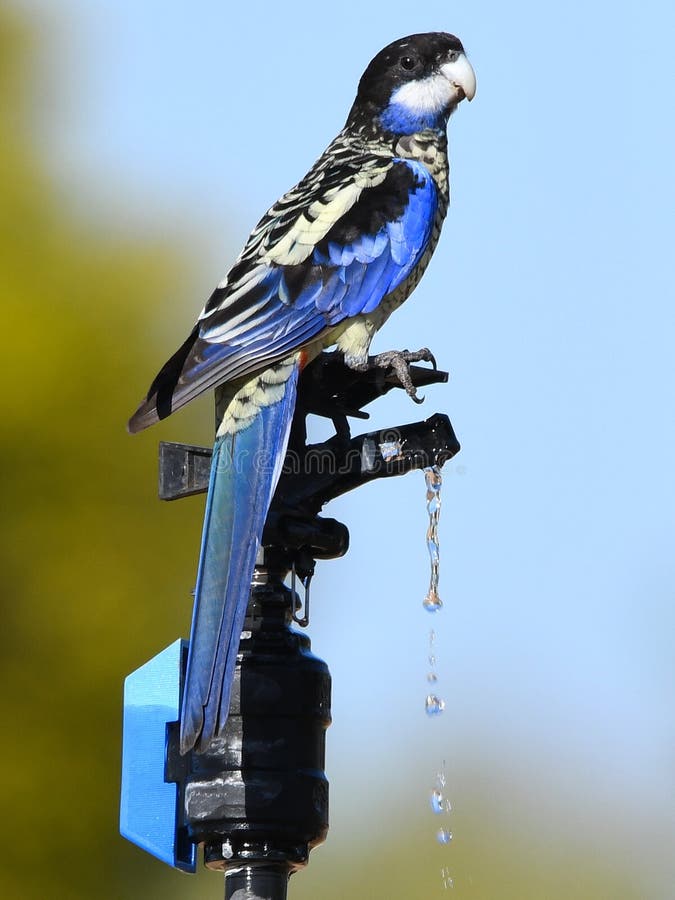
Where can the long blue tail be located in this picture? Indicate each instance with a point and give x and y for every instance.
(244, 472)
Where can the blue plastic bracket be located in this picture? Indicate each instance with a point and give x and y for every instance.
(149, 811)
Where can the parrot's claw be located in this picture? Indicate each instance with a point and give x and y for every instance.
(399, 361)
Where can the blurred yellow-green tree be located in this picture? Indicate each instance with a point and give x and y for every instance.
(97, 573)
(90, 558)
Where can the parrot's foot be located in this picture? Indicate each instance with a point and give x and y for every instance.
(399, 361)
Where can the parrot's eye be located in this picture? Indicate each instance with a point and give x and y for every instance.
(407, 62)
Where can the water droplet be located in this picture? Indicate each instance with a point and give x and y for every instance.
(446, 878)
(432, 602)
(434, 705)
(443, 836)
(432, 678)
(437, 802)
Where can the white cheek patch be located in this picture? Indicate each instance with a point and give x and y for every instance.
(428, 96)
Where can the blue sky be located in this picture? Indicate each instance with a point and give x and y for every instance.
(550, 301)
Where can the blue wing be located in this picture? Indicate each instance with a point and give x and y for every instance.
(331, 255)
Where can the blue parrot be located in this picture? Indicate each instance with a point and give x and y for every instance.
(326, 265)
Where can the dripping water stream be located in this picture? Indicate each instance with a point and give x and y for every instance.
(434, 704)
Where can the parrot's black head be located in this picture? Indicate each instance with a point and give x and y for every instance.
(414, 84)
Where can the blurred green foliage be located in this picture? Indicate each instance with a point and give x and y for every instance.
(97, 573)
(90, 558)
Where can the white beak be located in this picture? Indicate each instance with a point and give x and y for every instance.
(461, 76)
